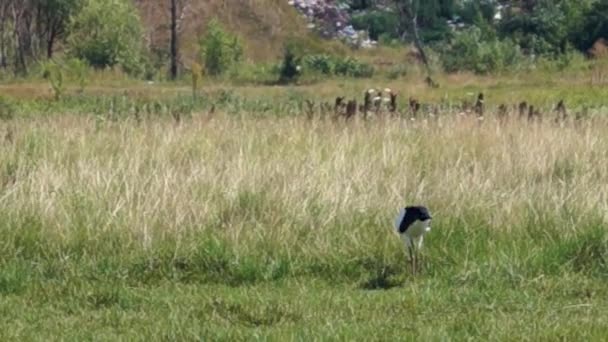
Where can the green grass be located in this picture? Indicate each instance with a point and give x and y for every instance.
(255, 223)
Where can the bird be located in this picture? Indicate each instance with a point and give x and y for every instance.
(411, 224)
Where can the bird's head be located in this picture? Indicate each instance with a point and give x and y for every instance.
(420, 212)
(412, 214)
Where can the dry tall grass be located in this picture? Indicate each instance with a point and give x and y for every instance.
(286, 181)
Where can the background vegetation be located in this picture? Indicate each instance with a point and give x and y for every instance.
(230, 226)
(220, 206)
(481, 36)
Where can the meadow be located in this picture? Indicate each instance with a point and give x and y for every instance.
(251, 221)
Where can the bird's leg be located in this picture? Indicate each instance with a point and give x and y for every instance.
(412, 251)
(415, 260)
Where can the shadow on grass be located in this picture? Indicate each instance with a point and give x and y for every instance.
(383, 280)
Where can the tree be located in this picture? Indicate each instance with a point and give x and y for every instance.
(106, 33)
(22, 21)
(408, 13)
(4, 7)
(30, 27)
(220, 50)
(174, 39)
(178, 9)
(545, 27)
(54, 18)
(594, 26)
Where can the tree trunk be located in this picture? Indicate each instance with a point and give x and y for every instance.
(174, 51)
(50, 42)
(3, 63)
(418, 44)
(409, 19)
(20, 65)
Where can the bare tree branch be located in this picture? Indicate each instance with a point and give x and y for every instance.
(408, 13)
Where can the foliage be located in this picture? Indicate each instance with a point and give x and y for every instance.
(397, 71)
(338, 66)
(548, 27)
(469, 52)
(79, 72)
(593, 26)
(432, 13)
(290, 67)
(197, 73)
(108, 33)
(377, 23)
(472, 12)
(323, 64)
(431, 17)
(219, 50)
(58, 72)
(54, 73)
(56, 16)
(350, 66)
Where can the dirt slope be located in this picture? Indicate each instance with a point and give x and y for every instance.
(262, 24)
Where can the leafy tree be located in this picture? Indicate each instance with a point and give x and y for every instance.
(594, 26)
(107, 33)
(472, 12)
(408, 15)
(219, 49)
(377, 23)
(545, 27)
(425, 20)
(470, 51)
(54, 20)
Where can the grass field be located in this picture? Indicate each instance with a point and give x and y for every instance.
(238, 227)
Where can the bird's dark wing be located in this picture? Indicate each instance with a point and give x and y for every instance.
(408, 219)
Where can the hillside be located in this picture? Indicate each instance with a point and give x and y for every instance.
(263, 25)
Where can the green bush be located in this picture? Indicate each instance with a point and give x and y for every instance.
(377, 23)
(323, 64)
(397, 71)
(468, 51)
(290, 67)
(546, 30)
(472, 12)
(338, 66)
(106, 33)
(220, 50)
(79, 72)
(592, 26)
(54, 73)
(351, 67)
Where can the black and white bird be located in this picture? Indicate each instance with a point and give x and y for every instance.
(411, 225)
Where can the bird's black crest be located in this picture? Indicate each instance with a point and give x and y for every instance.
(413, 214)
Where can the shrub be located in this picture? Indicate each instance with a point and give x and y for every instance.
(53, 72)
(220, 50)
(338, 66)
(351, 67)
(197, 73)
(106, 33)
(79, 72)
(377, 23)
(323, 64)
(290, 67)
(593, 26)
(468, 51)
(397, 71)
